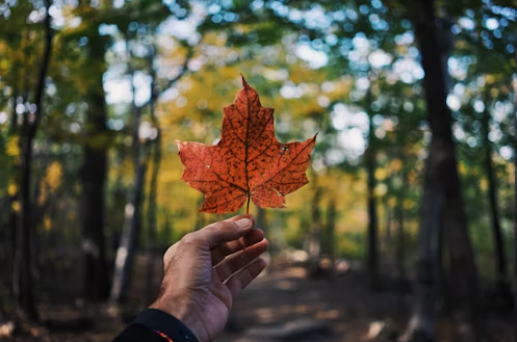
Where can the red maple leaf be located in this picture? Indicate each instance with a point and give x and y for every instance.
(248, 161)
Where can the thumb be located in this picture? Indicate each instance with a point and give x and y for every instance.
(224, 231)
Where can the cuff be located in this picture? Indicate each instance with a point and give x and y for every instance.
(172, 327)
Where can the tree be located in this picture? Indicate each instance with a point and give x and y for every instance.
(441, 173)
(499, 250)
(93, 176)
(156, 154)
(23, 281)
(315, 234)
(95, 139)
(132, 222)
(370, 163)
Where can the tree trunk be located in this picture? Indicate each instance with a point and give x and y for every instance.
(444, 274)
(372, 252)
(93, 179)
(22, 273)
(153, 191)
(13, 124)
(315, 233)
(128, 241)
(421, 324)
(23, 277)
(388, 213)
(442, 170)
(503, 286)
(152, 216)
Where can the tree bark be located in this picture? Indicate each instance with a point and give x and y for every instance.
(93, 179)
(152, 216)
(153, 188)
(501, 263)
(128, 241)
(22, 276)
(421, 324)
(373, 249)
(13, 124)
(442, 170)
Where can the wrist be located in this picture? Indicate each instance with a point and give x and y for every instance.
(165, 324)
(181, 308)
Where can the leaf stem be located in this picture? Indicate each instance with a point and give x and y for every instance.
(248, 204)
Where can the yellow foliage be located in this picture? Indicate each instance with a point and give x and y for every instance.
(47, 223)
(396, 164)
(380, 174)
(12, 148)
(51, 181)
(483, 184)
(54, 175)
(15, 206)
(12, 188)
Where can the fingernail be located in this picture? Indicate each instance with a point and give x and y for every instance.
(244, 223)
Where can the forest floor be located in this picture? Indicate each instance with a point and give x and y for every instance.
(283, 305)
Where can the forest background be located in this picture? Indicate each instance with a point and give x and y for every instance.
(412, 176)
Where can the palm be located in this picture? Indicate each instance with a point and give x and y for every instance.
(214, 299)
(217, 306)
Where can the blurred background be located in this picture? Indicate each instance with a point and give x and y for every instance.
(405, 232)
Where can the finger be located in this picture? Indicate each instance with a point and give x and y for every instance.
(220, 232)
(241, 216)
(237, 261)
(223, 250)
(242, 279)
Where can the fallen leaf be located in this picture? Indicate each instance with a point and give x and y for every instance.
(248, 161)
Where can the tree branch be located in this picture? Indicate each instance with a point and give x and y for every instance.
(156, 93)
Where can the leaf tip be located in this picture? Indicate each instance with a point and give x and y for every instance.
(244, 83)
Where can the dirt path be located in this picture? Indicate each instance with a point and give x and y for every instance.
(286, 306)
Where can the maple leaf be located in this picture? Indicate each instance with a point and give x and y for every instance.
(248, 161)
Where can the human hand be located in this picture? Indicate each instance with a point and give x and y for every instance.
(206, 269)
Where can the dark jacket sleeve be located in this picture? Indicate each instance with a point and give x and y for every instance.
(151, 321)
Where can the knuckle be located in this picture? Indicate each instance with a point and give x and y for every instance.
(169, 254)
(225, 225)
(215, 226)
(190, 239)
